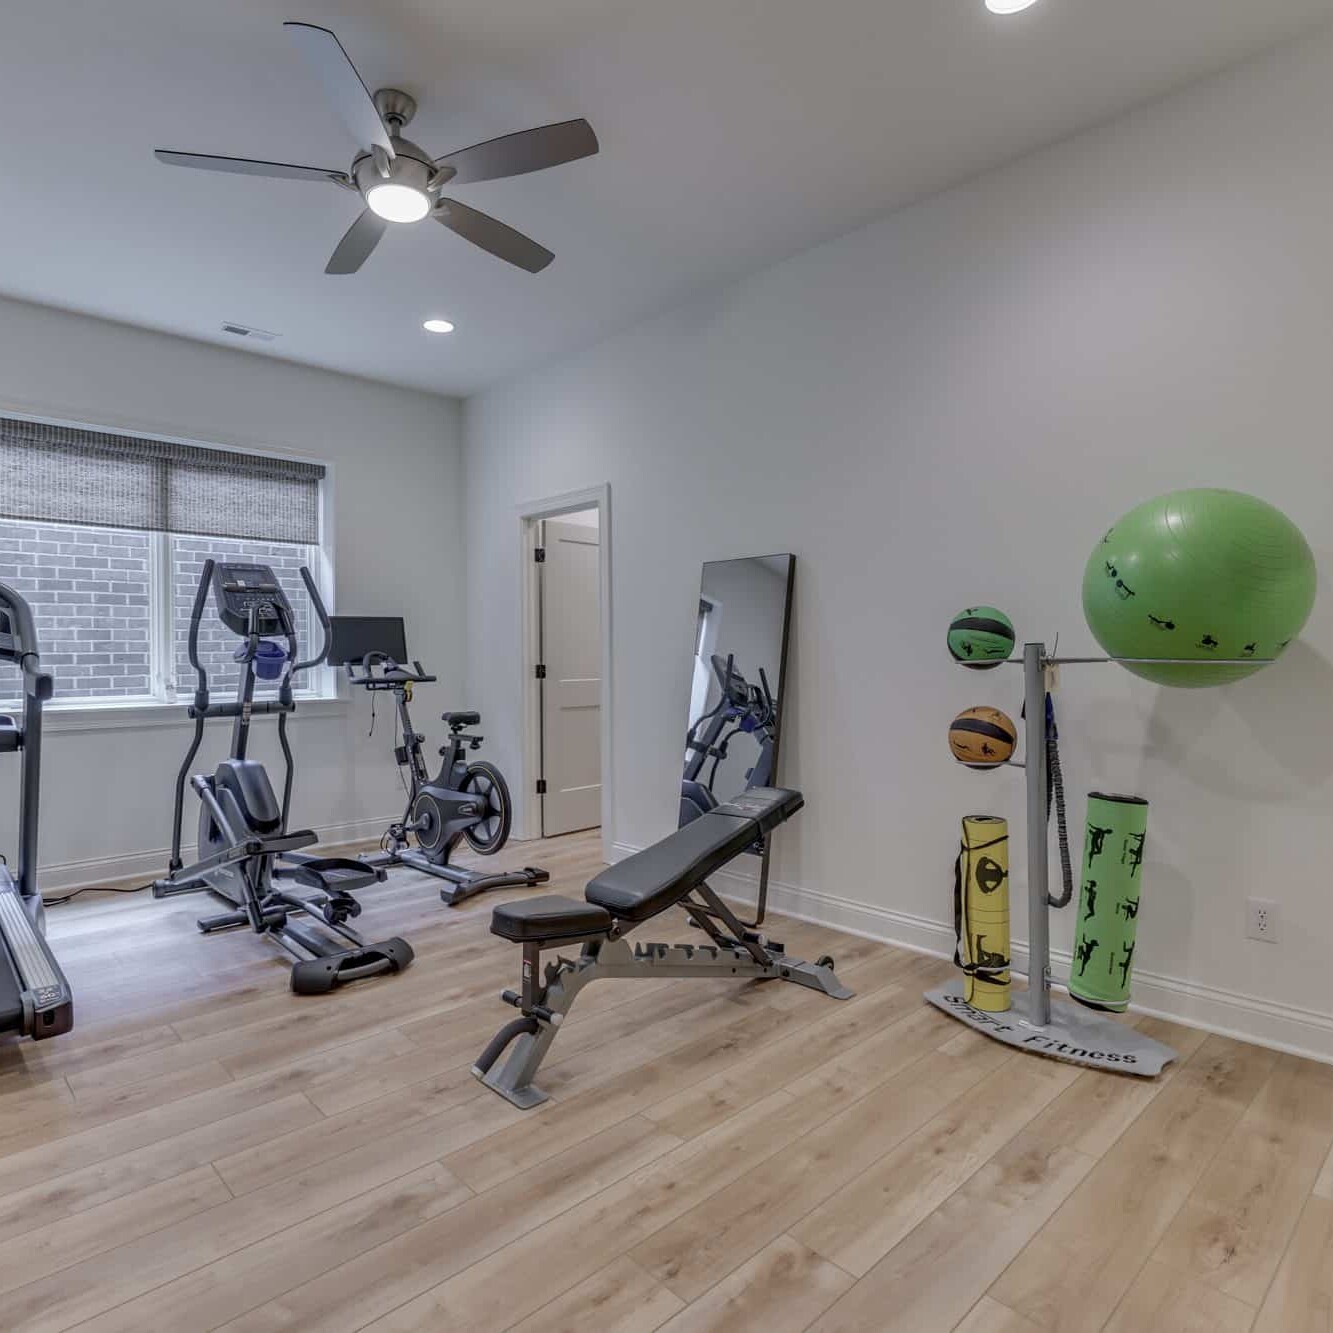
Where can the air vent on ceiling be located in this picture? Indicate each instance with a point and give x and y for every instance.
(254, 335)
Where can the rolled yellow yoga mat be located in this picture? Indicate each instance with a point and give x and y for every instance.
(981, 912)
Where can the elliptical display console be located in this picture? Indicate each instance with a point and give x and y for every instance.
(244, 591)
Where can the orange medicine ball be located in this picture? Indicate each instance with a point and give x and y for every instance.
(982, 737)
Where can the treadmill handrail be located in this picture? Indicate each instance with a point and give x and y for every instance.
(23, 635)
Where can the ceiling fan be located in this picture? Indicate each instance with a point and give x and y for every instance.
(399, 181)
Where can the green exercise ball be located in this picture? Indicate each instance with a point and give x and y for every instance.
(981, 637)
(1199, 574)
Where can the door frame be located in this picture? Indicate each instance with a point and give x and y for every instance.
(530, 513)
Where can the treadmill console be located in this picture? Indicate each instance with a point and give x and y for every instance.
(240, 588)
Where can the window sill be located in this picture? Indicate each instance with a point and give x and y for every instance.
(141, 714)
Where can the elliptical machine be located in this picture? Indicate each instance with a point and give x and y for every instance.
(246, 856)
(741, 709)
(464, 801)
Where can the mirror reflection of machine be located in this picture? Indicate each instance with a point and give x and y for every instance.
(739, 665)
(742, 709)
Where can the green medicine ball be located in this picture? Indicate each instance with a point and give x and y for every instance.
(981, 637)
(1199, 574)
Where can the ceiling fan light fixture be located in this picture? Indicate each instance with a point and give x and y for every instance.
(437, 326)
(395, 202)
(1009, 6)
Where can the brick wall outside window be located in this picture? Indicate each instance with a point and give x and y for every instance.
(91, 600)
(94, 602)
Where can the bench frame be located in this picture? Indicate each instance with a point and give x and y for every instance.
(546, 998)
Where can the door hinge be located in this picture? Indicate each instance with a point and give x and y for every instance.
(541, 786)
(539, 555)
(541, 671)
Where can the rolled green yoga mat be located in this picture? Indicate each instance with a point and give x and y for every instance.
(1108, 903)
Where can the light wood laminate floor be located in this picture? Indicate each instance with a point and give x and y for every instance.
(208, 1151)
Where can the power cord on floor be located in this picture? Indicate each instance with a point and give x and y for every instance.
(94, 888)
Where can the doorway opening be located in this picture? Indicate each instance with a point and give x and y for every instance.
(567, 665)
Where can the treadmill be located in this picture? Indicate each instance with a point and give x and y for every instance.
(35, 1000)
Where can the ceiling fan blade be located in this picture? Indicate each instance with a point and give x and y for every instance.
(247, 166)
(355, 247)
(349, 95)
(492, 235)
(516, 154)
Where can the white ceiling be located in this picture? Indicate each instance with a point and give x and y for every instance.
(733, 132)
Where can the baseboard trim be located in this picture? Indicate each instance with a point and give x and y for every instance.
(148, 864)
(1281, 1027)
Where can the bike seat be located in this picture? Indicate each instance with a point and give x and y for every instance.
(461, 719)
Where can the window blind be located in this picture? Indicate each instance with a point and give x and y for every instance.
(65, 474)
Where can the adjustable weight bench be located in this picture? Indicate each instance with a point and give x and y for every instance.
(671, 873)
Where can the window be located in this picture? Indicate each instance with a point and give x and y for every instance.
(112, 600)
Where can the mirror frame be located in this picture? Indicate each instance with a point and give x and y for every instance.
(762, 848)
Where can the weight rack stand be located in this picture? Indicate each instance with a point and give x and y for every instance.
(1035, 1021)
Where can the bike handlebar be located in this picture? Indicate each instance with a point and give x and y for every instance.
(391, 673)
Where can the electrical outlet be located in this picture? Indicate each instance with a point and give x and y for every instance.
(1262, 920)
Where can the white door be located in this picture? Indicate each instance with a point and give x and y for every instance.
(571, 692)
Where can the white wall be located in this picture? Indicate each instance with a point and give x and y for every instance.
(949, 407)
(395, 455)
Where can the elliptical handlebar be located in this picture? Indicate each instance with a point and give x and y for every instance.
(251, 649)
(770, 704)
(197, 615)
(322, 616)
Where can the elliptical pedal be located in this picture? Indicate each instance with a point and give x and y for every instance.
(318, 976)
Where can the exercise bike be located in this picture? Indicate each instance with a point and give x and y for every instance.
(464, 801)
(247, 858)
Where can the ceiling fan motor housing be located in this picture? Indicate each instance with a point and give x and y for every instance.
(410, 166)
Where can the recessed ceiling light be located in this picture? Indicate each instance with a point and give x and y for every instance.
(1008, 6)
(438, 326)
(397, 203)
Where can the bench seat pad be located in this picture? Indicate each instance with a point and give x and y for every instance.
(656, 878)
(551, 917)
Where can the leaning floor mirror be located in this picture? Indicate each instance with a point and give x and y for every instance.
(737, 688)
